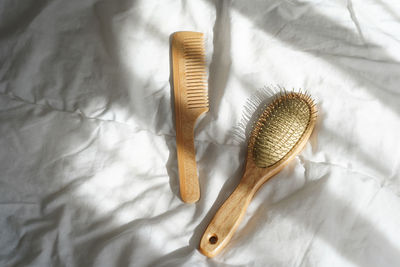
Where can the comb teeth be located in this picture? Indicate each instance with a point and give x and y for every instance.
(195, 72)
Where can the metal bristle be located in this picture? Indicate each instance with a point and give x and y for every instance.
(252, 109)
(280, 127)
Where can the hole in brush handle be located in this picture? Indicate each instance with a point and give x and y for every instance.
(213, 239)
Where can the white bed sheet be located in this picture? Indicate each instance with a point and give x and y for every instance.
(87, 145)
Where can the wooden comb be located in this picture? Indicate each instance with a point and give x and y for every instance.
(191, 100)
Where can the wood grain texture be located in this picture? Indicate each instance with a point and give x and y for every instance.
(191, 100)
(225, 222)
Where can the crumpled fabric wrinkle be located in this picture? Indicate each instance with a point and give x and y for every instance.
(88, 163)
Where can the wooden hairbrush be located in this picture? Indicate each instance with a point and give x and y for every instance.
(191, 100)
(280, 133)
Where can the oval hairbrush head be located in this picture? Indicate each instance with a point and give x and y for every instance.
(280, 127)
(280, 133)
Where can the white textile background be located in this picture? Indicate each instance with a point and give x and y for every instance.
(88, 170)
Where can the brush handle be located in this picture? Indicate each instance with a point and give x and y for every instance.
(227, 219)
(188, 179)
